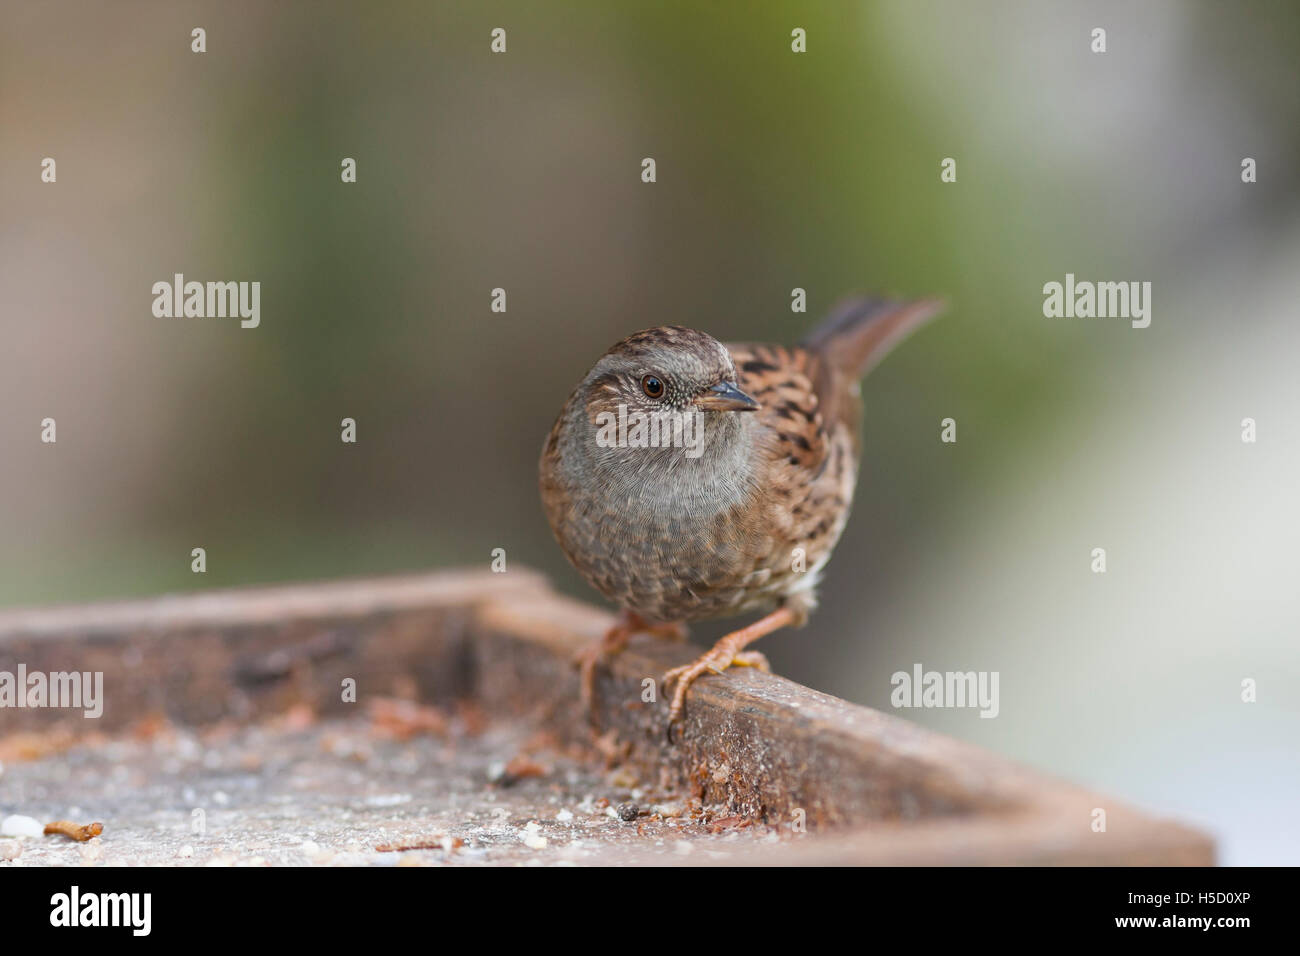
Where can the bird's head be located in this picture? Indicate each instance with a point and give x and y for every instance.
(666, 369)
(661, 400)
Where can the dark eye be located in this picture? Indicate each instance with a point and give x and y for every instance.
(652, 386)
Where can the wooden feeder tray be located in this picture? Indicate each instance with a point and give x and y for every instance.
(228, 736)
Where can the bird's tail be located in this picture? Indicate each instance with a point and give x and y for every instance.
(860, 332)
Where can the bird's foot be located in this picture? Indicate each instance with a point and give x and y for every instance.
(614, 640)
(716, 660)
(729, 651)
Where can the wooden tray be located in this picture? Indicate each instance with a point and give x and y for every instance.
(830, 782)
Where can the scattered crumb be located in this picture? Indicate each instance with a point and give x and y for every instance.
(531, 836)
(393, 719)
(517, 768)
(74, 831)
(730, 823)
(17, 825)
(444, 842)
(354, 791)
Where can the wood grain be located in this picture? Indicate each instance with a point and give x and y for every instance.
(869, 788)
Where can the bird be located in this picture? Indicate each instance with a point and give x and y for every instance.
(687, 480)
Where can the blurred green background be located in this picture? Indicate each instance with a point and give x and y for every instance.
(775, 170)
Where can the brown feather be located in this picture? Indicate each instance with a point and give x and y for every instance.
(748, 524)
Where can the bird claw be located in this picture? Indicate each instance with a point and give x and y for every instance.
(717, 661)
(728, 652)
(711, 661)
(754, 659)
(613, 641)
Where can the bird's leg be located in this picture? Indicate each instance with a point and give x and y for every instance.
(614, 640)
(675, 632)
(728, 651)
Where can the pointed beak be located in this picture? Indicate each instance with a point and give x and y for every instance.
(726, 397)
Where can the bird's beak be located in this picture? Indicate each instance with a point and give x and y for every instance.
(726, 397)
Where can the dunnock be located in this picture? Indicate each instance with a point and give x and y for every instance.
(687, 479)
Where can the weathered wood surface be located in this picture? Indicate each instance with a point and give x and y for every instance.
(872, 788)
(248, 653)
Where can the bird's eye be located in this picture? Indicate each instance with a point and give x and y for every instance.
(653, 386)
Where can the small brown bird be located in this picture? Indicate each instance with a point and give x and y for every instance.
(687, 479)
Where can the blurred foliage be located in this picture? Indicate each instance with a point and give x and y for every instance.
(775, 170)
